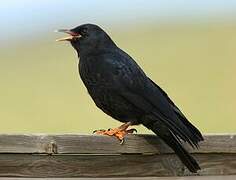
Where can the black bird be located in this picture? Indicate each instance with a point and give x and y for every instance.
(121, 89)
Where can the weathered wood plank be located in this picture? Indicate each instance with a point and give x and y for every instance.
(24, 143)
(135, 178)
(95, 144)
(26, 165)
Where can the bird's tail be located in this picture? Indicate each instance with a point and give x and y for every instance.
(196, 133)
(173, 141)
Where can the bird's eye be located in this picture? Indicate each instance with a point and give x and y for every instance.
(83, 31)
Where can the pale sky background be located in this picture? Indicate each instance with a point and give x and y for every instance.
(27, 17)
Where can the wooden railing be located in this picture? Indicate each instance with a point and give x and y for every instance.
(73, 155)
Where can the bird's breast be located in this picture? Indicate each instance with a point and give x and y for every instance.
(92, 75)
(97, 72)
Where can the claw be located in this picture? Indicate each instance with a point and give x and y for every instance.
(98, 130)
(122, 141)
(95, 131)
(131, 131)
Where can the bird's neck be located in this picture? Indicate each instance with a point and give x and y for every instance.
(97, 48)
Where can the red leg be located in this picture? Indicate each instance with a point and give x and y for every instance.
(119, 132)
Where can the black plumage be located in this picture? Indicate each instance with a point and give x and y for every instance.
(120, 88)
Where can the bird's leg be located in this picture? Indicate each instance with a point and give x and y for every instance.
(119, 132)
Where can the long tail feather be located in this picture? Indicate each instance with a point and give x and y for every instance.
(172, 140)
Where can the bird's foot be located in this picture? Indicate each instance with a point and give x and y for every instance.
(119, 133)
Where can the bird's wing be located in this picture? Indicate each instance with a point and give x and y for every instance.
(180, 115)
(175, 108)
(134, 86)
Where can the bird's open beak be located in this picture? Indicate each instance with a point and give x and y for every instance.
(72, 34)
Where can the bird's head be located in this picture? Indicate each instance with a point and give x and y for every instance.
(86, 38)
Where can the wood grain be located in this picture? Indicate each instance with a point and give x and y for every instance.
(73, 155)
(135, 178)
(95, 144)
(26, 165)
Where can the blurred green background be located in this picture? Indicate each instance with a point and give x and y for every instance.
(189, 49)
